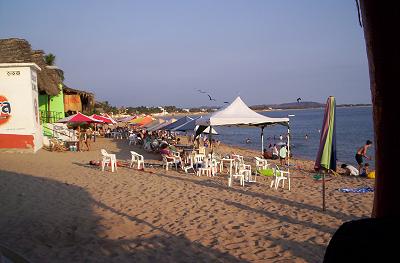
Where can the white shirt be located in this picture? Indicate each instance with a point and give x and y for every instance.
(352, 170)
(275, 151)
(283, 152)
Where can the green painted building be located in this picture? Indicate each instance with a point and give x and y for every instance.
(52, 104)
(51, 109)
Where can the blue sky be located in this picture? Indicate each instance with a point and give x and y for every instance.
(150, 53)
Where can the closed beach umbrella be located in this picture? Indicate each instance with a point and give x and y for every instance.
(326, 156)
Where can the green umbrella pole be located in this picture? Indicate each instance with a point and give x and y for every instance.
(323, 191)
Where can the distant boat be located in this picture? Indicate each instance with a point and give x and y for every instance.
(291, 115)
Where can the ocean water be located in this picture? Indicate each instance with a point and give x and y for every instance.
(354, 126)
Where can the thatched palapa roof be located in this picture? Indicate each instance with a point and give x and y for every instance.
(15, 50)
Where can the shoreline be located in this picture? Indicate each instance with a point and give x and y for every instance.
(266, 110)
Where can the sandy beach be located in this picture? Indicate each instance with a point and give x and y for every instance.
(57, 208)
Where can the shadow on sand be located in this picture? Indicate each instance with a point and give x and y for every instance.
(51, 221)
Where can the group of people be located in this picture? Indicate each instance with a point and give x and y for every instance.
(274, 154)
(84, 138)
(361, 154)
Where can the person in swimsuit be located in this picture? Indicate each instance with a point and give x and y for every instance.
(362, 152)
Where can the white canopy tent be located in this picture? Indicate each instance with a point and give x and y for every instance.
(239, 114)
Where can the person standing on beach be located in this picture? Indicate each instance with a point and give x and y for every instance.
(275, 153)
(85, 138)
(362, 152)
(283, 154)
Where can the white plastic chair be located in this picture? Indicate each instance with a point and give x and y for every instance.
(118, 135)
(202, 150)
(189, 164)
(238, 160)
(132, 139)
(235, 176)
(279, 176)
(261, 164)
(108, 159)
(169, 160)
(245, 170)
(177, 156)
(198, 160)
(209, 168)
(138, 159)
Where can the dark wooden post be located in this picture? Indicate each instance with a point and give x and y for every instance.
(48, 109)
(381, 21)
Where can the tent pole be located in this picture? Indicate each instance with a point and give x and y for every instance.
(210, 141)
(288, 140)
(262, 140)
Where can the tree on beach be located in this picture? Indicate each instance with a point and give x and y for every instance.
(104, 106)
(50, 59)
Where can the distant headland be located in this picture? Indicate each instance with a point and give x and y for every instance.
(299, 105)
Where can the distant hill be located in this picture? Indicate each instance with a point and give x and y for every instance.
(289, 105)
(300, 105)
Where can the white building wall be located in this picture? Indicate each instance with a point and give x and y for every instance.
(18, 83)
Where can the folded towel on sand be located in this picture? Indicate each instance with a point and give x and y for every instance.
(356, 190)
(266, 172)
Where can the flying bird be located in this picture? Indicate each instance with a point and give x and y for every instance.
(226, 102)
(298, 100)
(201, 91)
(210, 97)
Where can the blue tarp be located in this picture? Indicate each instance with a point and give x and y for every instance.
(177, 123)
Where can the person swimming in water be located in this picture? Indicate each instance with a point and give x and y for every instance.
(248, 140)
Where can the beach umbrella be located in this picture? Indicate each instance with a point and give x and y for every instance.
(79, 118)
(136, 120)
(104, 119)
(145, 120)
(153, 123)
(192, 127)
(326, 156)
(161, 125)
(127, 119)
(177, 123)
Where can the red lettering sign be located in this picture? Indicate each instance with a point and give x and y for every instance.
(5, 110)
